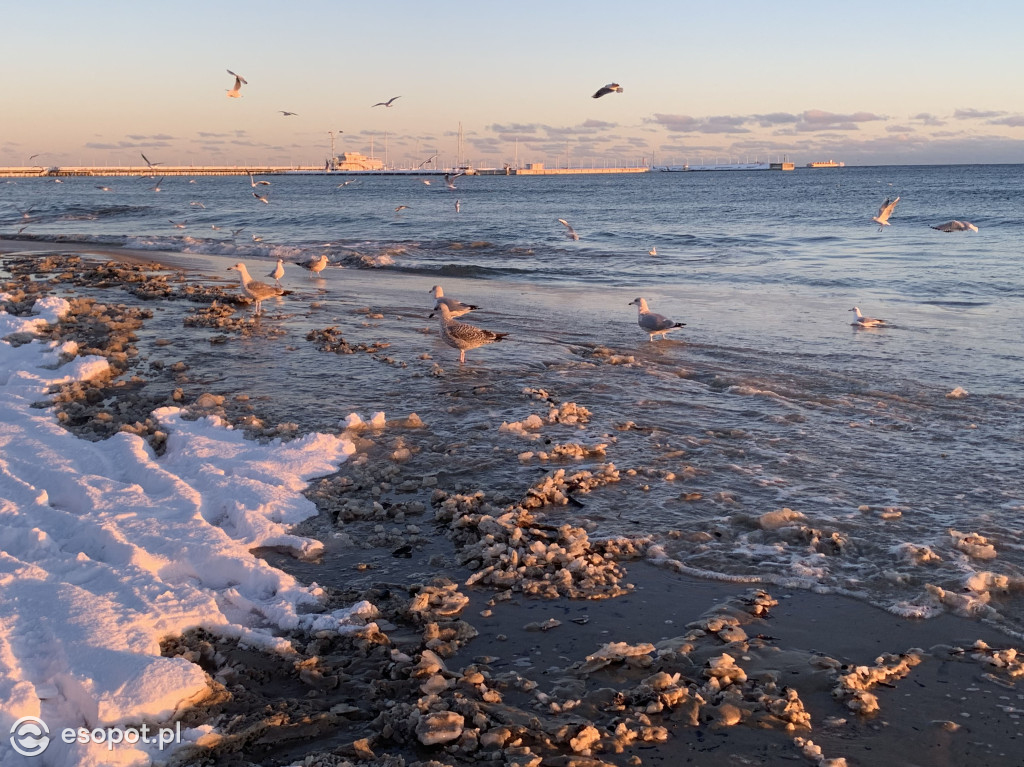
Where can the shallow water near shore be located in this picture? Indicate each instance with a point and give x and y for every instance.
(767, 442)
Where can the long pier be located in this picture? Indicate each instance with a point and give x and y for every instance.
(37, 171)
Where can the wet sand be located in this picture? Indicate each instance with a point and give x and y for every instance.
(508, 655)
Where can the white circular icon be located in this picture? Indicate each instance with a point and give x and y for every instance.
(30, 736)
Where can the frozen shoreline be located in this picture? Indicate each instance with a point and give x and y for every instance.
(206, 440)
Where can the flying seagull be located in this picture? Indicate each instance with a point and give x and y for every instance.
(449, 179)
(865, 322)
(956, 226)
(609, 88)
(261, 198)
(151, 165)
(156, 187)
(461, 336)
(571, 233)
(400, 208)
(651, 323)
(179, 224)
(236, 91)
(882, 219)
(428, 160)
(257, 291)
(254, 183)
(288, 114)
(386, 103)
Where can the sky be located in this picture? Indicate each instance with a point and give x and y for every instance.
(869, 83)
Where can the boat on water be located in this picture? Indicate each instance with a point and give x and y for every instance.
(826, 164)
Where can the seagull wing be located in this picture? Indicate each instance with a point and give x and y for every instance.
(563, 222)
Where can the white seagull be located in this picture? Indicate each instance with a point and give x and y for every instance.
(261, 198)
(254, 183)
(571, 233)
(387, 103)
(956, 226)
(461, 336)
(257, 291)
(651, 323)
(609, 88)
(236, 91)
(455, 308)
(865, 322)
(314, 265)
(882, 219)
(449, 179)
(653, 251)
(278, 271)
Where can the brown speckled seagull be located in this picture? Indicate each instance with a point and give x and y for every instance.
(257, 291)
(461, 336)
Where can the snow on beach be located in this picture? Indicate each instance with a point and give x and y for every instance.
(106, 549)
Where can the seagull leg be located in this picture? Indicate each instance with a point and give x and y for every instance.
(462, 356)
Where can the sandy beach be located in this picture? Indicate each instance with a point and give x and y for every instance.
(520, 614)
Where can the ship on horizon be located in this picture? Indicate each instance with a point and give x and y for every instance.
(826, 164)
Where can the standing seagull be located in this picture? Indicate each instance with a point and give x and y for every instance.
(865, 322)
(278, 272)
(385, 103)
(571, 233)
(609, 88)
(461, 336)
(956, 226)
(257, 291)
(236, 91)
(455, 308)
(651, 323)
(882, 219)
(314, 265)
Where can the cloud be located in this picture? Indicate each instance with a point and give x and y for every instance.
(819, 120)
(514, 128)
(714, 124)
(976, 114)
(158, 137)
(775, 118)
(1013, 121)
(928, 119)
(599, 125)
(126, 145)
(900, 129)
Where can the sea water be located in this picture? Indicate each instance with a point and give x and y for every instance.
(768, 439)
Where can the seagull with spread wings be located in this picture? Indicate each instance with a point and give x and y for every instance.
(609, 88)
(387, 103)
(236, 91)
(882, 219)
(570, 232)
(956, 226)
